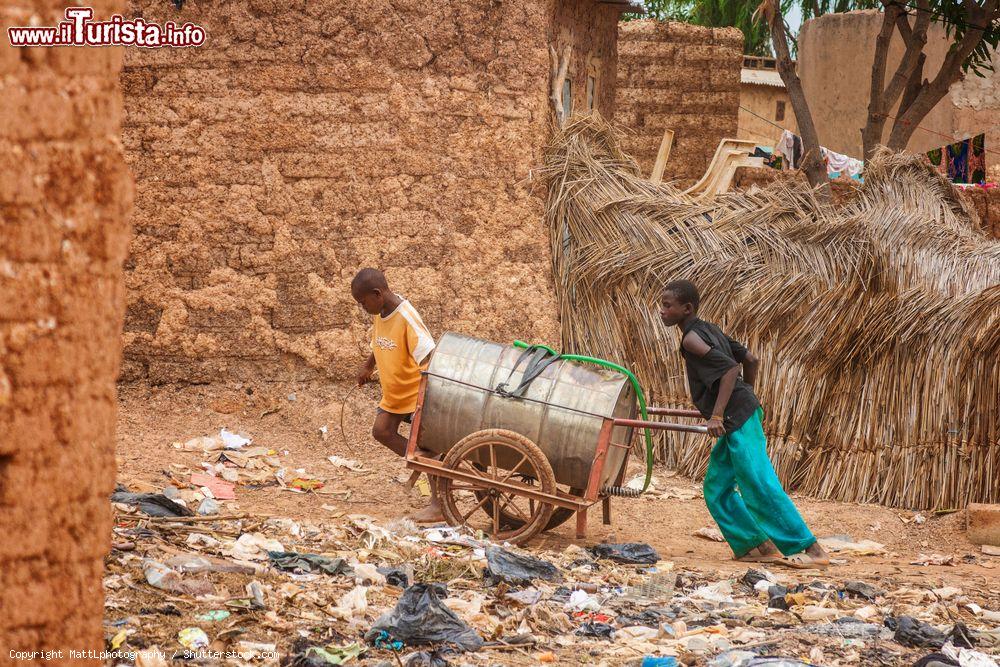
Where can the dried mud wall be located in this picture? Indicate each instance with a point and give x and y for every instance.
(835, 57)
(763, 101)
(590, 28)
(680, 77)
(304, 141)
(65, 194)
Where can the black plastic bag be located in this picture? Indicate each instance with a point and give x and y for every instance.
(636, 553)
(394, 576)
(649, 618)
(752, 576)
(515, 569)
(935, 660)
(776, 597)
(293, 561)
(860, 589)
(153, 504)
(421, 618)
(961, 636)
(595, 629)
(911, 632)
(436, 658)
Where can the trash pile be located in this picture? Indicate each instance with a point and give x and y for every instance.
(229, 461)
(183, 584)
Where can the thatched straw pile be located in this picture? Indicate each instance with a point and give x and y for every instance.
(878, 325)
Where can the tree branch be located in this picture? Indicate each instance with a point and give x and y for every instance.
(915, 43)
(930, 93)
(871, 134)
(812, 162)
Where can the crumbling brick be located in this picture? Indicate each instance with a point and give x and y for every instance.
(304, 142)
(984, 524)
(680, 77)
(62, 292)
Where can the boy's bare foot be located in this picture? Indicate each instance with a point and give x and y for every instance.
(764, 552)
(430, 514)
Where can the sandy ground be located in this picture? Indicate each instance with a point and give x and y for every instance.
(289, 418)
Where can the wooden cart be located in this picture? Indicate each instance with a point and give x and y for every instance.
(500, 482)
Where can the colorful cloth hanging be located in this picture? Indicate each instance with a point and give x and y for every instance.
(963, 161)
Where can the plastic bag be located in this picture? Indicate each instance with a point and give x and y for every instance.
(160, 576)
(293, 561)
(911, 632)
(395, 576)
(636, 553)
(152, 504)
(421, 618)
(513, 568)
(860, 589)
(193, 638)
(593, 629)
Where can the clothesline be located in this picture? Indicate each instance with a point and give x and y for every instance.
(836, 163)
(951, 139)
(766, 120)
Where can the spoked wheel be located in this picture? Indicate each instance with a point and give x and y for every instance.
(505, 456)
(560, 515)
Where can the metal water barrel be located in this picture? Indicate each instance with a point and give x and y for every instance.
(563, 413)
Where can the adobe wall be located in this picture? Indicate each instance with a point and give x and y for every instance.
(591, 29)
(65, 195)
(680, 77)
(976, 107)
(762, 101)
(835, 58)
(304, 141)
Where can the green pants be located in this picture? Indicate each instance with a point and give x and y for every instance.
(761, 510)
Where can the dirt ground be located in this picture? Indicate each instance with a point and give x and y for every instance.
(291, 419)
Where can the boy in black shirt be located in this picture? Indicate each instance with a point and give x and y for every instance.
(759, 522)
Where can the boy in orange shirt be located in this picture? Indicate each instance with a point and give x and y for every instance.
(401, 346)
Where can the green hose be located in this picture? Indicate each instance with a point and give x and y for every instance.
(635, 385)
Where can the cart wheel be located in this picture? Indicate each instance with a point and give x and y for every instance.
(497, 454)
(560, 515)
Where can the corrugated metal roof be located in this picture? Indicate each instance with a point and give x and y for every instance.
(761, 77)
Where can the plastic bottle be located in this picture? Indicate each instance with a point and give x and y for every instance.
(659, 661)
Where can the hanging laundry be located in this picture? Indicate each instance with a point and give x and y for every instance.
(790, 146)
(963, 161)
(842, 165)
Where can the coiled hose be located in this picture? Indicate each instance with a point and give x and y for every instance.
(635, 385)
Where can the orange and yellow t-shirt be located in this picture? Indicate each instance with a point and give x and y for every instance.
(401, 344)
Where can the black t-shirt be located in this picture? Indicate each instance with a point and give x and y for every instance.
(705, 372)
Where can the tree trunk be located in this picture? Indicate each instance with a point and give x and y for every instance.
(921, 96)
(812, 162)
(871, 133)
(923, 103)
(882, 100)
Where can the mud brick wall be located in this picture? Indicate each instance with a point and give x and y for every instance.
(306, 140)
(65, 194)
(591, 29)
(680, 77)
(987, 206)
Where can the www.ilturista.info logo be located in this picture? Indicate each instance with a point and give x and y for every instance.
(79, 30)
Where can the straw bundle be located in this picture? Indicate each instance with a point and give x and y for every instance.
(878, 324)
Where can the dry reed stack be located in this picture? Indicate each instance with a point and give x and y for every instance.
(878, 324)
